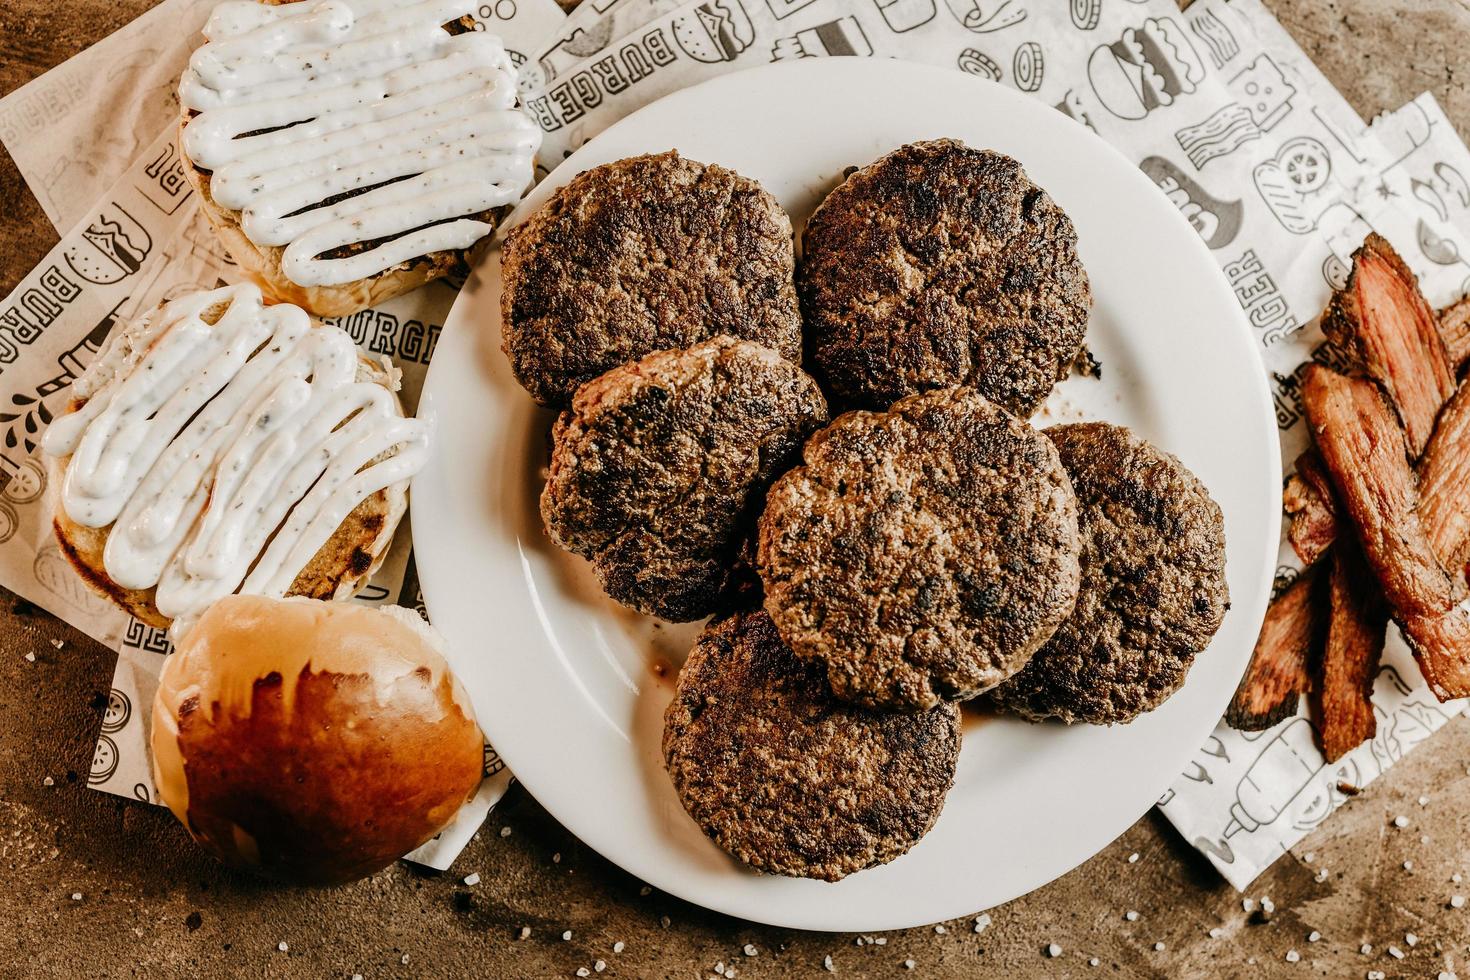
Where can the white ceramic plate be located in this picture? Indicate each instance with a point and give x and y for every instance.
(566, 683)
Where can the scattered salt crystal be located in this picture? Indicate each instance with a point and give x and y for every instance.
(505, 831)
(1423, 801)
(472, 879)
(1248, 904)
(1455, 877)
(1216, 932)
(282, 947)
(525, 932)
(30, 658)
(1131, 915)
(1366, 948)
(1408, 865)
(1309, 857)
(940, 930)
(556, 859)
(981, 921)
(1292, 956)
(618, 947)
(1133, 858)
(749, 949)
(1447, 975)
(1457, 901)
(48, 781)
(567, 936)
(1395, 952)
(1313, 936)
(645, 891)
(1322, 875)
(1400, 821)
(1424, 839)
(582, 971)
(720, 967)
(1411, 939)
(1094, 961)
(729, 973)
(1267, 905)
(357, 976)
(858, 941)
(664, 921)
(881, 940)
(600, 965)
(908, 964)
(58, 644)
(1053, 950)
(828, 965)
(1376, 975)
(1158, 947)
(403, 959)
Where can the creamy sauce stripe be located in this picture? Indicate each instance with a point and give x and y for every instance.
(226, 455)
(356, 94)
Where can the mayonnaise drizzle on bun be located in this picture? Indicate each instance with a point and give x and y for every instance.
(302, 103)
(224, 454)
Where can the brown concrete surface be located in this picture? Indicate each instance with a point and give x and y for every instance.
(151, 905)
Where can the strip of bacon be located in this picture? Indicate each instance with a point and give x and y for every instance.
(1280, 667)
(1454, 327)
(1362, 448)
(1355, 635)
(1382, 319)
(1444, 484)
(1307, 498)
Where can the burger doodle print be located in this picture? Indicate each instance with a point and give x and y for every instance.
(1148, 67)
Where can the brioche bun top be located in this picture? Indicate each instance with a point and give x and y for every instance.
(312, 741)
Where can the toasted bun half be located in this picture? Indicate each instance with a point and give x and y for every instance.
(263, 262)
(339, 569)
(311, 741)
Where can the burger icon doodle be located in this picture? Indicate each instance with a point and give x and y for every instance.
(715, 31)
(1149, 66)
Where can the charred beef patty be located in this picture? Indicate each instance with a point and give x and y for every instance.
(923, 553)
(788, 779)
(640, 255)
(659, 469)
(941, 265)
(1153, 584)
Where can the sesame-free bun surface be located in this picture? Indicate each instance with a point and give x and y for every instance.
(339, 570)
(263, 262)
(312, 741)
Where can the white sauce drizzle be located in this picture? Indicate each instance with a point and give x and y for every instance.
(224, 456)
(368, 91)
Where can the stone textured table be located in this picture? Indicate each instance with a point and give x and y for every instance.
(91, 885)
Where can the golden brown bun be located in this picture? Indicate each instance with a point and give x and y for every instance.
(339, 570)
(263, 262)
(312, 741)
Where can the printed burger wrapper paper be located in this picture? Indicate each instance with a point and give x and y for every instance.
(144, 240)
(1215, 104)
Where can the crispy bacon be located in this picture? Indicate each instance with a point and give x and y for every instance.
(1383, 321)
(1355, 635)
(1444, 484)
(1454, 327)
(1280, 667)
(1307, 498)
(1362, 448)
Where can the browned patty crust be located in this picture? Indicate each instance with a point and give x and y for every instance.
(788, 779)
(661, 466)
(1153, 584)
(941, 265)
(639, 255)
(923, 553)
